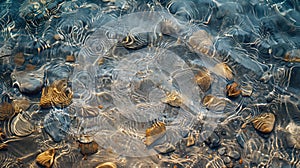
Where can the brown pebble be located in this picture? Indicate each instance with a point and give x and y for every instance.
(19, 59)
(57, 37)
(173, 99)
(57, 94)
(100, 61)
(264, 122)
(153, 133)
(46, 158)
(241, 161)
(30, 67)
(88, 148)
(203, 79)
(292, 56)
(190, 140)
(3, 146)
(232, 90)
(70, 58)
(6, 111)
(20, 105)
(100, 107)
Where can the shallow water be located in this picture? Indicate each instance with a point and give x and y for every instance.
(171, 83)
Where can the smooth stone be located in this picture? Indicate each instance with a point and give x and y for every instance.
(164, 148)
(222, 151)
(227, 160)
(57, 124)
(29, 82)
(213, 140)
(234, 155)
(264, 122)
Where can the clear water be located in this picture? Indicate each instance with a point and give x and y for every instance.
(150, 83)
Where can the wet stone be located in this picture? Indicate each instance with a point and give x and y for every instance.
(28, 82)
(234, 154)
(70, 58)
(227, 160)
(173, 99)
(222, 151)
(232, 90)
(153, 133)
(6, 111)
(164, 148)
(46, 158)
(57, 124)
(264, 122)
(58, 94)
(203, 79)
(19, 59)
(88, 148)
(213, 141)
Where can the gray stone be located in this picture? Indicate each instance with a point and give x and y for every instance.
(222, 151)
(164, 148)
(234, 155)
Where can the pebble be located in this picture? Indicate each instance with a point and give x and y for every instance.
(3, 146)
(173, 99)
(190, 140)
(29, 82)
(46, 158)
(232, 90)
(222, 151)
(6, 111)
(292, 56)
(153, 133)
(88, 148)
(213, 141)
(58, 94)
(214, 103)
(227, 160)
(203, 79)
(264, 122)
(201, 41)
(165, 148)
(19, 59)
(20, 105)
(234, 155)
(70, 58)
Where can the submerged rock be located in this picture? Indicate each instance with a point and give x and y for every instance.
(46, 158)
(29, 82)
(57, 124)
(57, 94)
(203, 79)
(264, 122)
(155, 132)
(88, 148)
(6, 110)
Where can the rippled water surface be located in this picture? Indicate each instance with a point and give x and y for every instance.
(170, 83)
